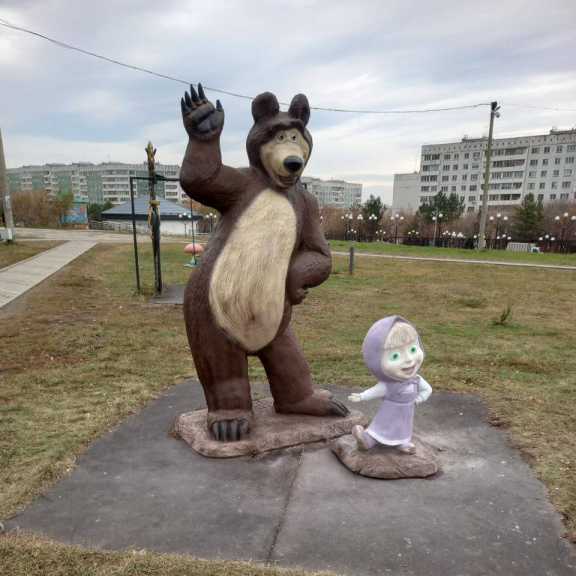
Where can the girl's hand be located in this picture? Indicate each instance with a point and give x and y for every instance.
(355, 397)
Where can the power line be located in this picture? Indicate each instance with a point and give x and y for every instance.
(67, 46)
(529, 107)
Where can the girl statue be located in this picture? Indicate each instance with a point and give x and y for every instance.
(393, 353)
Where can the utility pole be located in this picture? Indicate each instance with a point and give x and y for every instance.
(482, 233)
(5, 195)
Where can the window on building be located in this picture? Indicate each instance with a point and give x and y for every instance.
(446, 156)
(424, 188)
(545, 162)
(465, 166)
(455, 167)
(445, 178)
(464, 176)
(532, 174)
(454, 177)
(564, 196)
(552, 196)
(542, 185)
(493, 197)
(463, 188)
(546, 149)
(559, 148)
(471, 198)
(540, 197)
(543, 173)
(433, 188)
(456, 156)
(566, 184)
(476, 155)
(473, 187)
(569, 160)
(444, 189)
(446, 167)
(535, 150)
(467, 155)
(555, 173)
(475, 166)
(554, 185)
(571, 148)
(557, 161)
(453, 189)
(531, 186)
(567, 171)
(474, 177)
(533, 162)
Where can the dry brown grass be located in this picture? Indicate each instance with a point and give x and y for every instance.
(28, 555)
(82, 352)
(17, 251)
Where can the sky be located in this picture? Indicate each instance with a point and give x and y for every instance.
(58, 105)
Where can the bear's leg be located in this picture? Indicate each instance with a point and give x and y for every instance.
(290, 380)
(222, 369)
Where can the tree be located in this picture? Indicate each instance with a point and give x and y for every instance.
(528, 219)
(451, 207)
(372, 212)
(95, 210)
(62, 204)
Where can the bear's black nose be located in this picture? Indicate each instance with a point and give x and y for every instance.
(293, 163)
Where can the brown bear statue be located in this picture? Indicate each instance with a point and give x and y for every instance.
(266, 251)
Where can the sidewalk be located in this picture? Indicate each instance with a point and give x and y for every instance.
(459, 260)
(17, 279)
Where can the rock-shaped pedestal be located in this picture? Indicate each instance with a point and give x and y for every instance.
(386, 463)
(270, 431)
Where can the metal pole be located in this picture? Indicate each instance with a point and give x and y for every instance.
(136, 263)
(5, 194)
(482, 234)
(351, 261)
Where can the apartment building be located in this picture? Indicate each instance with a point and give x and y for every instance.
(94, 183)
(544, 165)
(337, 193)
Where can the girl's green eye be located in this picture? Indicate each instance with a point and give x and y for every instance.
(413, 350)
(395, 357)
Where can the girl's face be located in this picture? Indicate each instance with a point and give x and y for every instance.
(402, 361)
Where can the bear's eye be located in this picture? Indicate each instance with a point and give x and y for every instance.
(413, 350)
(293, 137)
(280, 136)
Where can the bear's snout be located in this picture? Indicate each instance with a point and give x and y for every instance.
(293, 163)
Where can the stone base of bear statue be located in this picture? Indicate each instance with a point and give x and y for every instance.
(269, 431)
(387, 463)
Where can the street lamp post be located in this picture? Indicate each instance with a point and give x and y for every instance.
(396, 219)
(436, 218)
(360, 219)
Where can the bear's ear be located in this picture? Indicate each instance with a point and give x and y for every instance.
(265, 105)
(299, 108)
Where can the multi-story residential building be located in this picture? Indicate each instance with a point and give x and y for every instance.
(544, 165)
(94, 183)
(406, 192)
(336, 193)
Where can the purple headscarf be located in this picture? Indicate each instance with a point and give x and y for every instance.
(373, 346)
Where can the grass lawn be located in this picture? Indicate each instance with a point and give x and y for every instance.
(432, 252)
(86, 349)
(14, 252)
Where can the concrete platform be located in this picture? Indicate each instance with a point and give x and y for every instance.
(17, 279)
(138, 487)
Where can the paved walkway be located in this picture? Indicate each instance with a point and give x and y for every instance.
(138, 487)
(460, 260)
(17, 279)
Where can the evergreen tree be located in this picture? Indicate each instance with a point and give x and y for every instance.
(451, 207)
(528, 219)
(372, 207)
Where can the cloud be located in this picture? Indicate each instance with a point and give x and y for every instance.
(59, 105)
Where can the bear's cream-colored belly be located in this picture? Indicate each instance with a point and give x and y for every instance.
(248, 283)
